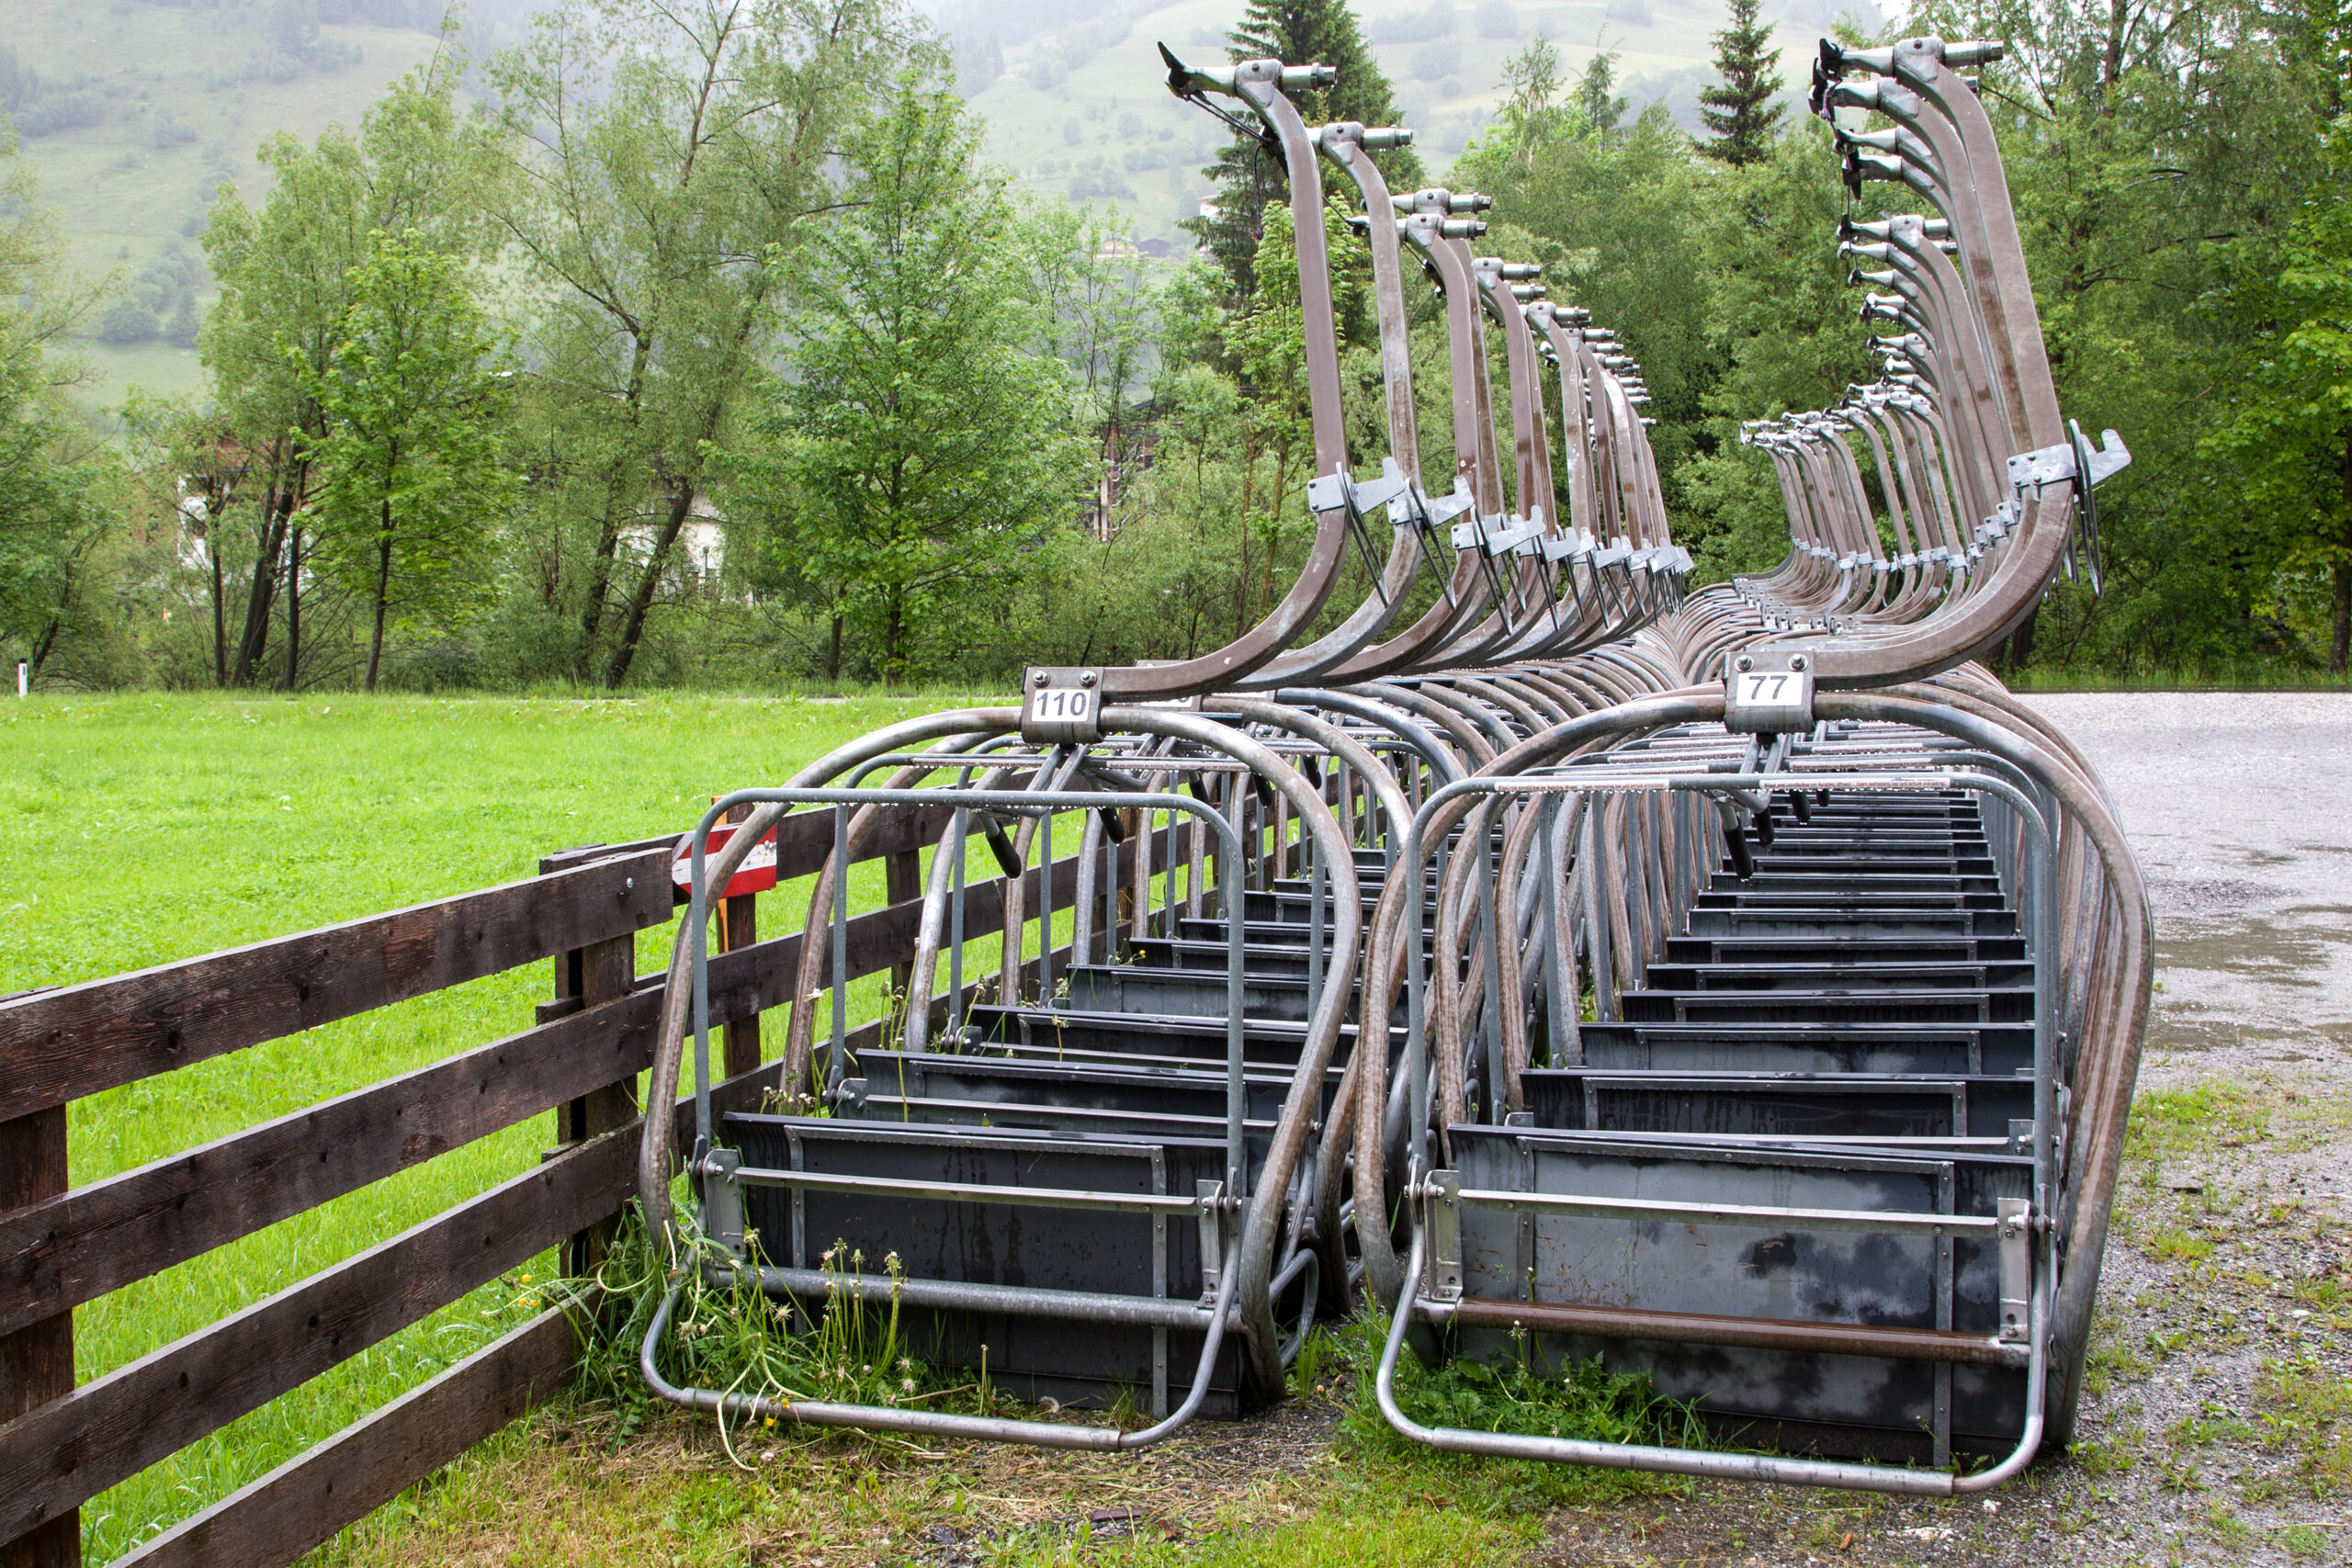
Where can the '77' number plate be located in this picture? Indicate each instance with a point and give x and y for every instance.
(1767, 694)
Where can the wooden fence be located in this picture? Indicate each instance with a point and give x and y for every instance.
(62, 1445)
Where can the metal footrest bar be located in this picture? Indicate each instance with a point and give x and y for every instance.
(1709, 1462)
(957, 1295)
(1707, 1328)
(942, 1423)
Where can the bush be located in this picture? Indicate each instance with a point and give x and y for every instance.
(1497, 18)
(1433, 61)
(1414, 27)
(126, 320)
(53, 111)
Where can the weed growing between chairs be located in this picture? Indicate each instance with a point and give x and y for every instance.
(731, 1337)
(1583, 1399)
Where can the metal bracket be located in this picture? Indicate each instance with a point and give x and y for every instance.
(1442, 1213)
(722, 1199)
(1062, 704)
(1210, 1195)
(2072, 461)
(1768, 692)
(2016, 1221)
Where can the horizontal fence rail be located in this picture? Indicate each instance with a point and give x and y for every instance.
(62, 1248)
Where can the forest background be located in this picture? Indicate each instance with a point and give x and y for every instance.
(700, 345)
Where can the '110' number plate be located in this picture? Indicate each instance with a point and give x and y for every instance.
(1061, 705)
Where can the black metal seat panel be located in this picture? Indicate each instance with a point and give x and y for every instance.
(1768, 1104)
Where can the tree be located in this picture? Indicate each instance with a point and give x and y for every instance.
(1739, 109)
(2286, 438)
(916, 445)
(665, 152)
(1596, 94)
(53, 510)
(411, 488)
(1247, 174)
(286, 273)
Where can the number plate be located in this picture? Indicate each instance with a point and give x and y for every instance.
(1061, 705)
(1767, 694)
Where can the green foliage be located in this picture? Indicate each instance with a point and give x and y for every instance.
(55, 512)
(915, 449)
(1739, 110)
(2284, 441)
(660, 159)
(280, 338)
(1247, 178)
(1781, 320)
(411, 488)
(1576, 1400)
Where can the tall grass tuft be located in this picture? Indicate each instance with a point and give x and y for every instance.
(726, 1334)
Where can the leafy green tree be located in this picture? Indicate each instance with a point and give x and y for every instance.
(1620, 224)
(1739, 110)
(2154, 161)
(665, 153)
(1597, 96)
(286, 273)
(917, 445)
(1781, 320)
(1246, 173)
(54, 511)
(2286, 437)
(411, 488)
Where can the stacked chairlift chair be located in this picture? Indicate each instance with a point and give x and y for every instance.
(1737, 985)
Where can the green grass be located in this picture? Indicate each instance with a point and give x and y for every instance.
(135, 830)
(560, 1489)
(2253, 676)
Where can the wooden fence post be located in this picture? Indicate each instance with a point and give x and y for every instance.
(37, 1361)
(739, 926)
(902, 880)
(598, 973)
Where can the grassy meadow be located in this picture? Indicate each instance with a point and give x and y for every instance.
(139, 829)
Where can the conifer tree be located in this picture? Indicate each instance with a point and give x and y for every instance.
(1247, 174)
(1597, 94)
(1740, 111)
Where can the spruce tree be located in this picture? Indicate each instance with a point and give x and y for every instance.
(1740, 112)
(1248, 174)
(1597, 94)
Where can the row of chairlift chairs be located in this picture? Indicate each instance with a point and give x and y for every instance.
(1739, 986)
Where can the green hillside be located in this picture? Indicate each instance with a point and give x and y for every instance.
(1081, 111)
(135, 110)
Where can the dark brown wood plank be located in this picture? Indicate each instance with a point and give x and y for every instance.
(303, 1503)
(74, 1249)
(78, 1039)
(607, 974)
(37, 1356)
(66, 1249)
(59, 1456)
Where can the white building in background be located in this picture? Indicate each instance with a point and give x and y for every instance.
(196, 518)
(697, 559)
